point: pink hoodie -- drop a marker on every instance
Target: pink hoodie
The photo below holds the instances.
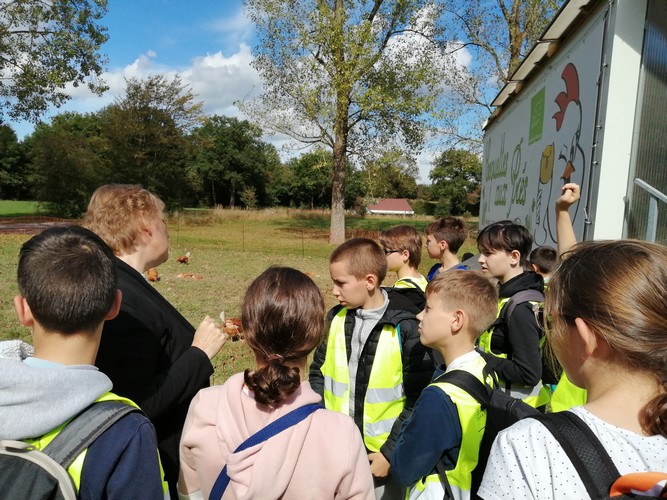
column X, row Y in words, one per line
column 322, row 456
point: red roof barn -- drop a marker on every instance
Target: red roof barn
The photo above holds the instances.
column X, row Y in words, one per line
column 391, row 206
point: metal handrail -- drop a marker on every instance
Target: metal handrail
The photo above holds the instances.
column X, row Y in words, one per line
column 654, row 197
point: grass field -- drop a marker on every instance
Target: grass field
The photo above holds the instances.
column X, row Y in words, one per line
column 12, row 208
column 228, row 249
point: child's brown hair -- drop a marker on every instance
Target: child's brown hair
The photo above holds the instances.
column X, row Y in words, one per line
column 449, row 229
column 401, row 238
column 283, row 321
column 362, row 256
column 469, row 291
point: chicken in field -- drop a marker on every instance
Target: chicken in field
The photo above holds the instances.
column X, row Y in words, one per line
column 151, row 275
column 232, row 327
column 184, row 259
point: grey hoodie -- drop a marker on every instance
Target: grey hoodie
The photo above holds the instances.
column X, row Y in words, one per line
column 36, row 399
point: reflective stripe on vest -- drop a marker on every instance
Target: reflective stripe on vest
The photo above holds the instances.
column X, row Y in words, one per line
column 385, row 396
column 473, row 422
column 75, row 469
column 535, row 396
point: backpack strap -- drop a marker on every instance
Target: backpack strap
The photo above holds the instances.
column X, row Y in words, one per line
column 84, row 429
column 583, row 448
column 410, row 282
column 520, row 298
column 469, row 383
column 275, row 427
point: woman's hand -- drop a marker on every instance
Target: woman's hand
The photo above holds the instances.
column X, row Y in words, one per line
column 209, row 337
column 570, row 194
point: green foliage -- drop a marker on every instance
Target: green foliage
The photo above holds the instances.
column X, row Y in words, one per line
column 68, row 162
column 229, row 159
column 14, row 172
column 311, row 179
column 45, row 46
column 391, row 175
column 456, row 176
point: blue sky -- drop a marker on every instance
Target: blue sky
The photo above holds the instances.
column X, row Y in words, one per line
column 207, row 42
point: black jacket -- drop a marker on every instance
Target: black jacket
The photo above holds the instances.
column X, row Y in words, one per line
column 418, row 363
column 147, row 353
column 520, row 339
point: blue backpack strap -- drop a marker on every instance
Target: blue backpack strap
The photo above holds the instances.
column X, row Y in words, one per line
column 275, row 427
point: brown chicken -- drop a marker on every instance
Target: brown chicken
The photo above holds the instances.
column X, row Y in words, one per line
column 184, row 259
column 151, row 274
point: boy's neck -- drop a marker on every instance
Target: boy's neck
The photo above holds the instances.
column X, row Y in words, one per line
column 451, row 352
column 67, row 349
column 512, row 273
column 375, row 300
column 407, row 272
column 448, row 260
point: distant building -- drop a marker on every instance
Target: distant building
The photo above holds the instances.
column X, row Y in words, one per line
column 391, row 206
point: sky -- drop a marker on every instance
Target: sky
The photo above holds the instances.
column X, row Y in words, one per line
column 207, row 42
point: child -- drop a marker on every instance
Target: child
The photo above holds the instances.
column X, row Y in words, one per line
column 513, row 347
column 320, row 457
column 67, row 282
column 444, row 237
column 403, row 247
column 543, row 261
column 607, row 303
column 372, row 366
column 446, row 424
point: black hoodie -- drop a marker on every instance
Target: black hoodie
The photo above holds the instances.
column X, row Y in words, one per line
column 520, row 339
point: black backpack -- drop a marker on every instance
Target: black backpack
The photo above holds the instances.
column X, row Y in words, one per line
column 596, row 469
column 26, row 472
column 502, row 411
column 551, row 370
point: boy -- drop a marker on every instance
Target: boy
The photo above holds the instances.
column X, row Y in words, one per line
column 403, row 247
column 543, row 261
column 372, row 366
column 512, row 347
column 67, row 282
column 447, row 424
column 444, row 237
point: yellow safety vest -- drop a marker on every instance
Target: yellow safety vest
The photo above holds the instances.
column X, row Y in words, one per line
column 411, row 281
column 536, row 396
column 75, row 469
column 473, row 422
column 567, row 395
column 385, row 397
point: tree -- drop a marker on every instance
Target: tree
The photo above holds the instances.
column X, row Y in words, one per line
column 44, row 46
column 456, row 176
column 346, row 74
column 231, row 159
column 496, row 35
column 392, row 175
column 311, row 179
column 68, row 161
column 14, row 172
column 147, row 130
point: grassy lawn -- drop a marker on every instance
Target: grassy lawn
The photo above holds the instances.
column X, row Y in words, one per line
column 12, row 208
column 228, row 249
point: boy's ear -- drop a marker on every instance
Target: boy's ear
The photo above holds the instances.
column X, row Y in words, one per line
column 534, row 268
column 405, row 255
column 23, row 311
column 515, row 257
column 371, row 282
column 443, row 245
column 115, row 308
column 458, row 321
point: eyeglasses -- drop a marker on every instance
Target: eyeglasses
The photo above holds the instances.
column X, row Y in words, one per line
column 387, row 252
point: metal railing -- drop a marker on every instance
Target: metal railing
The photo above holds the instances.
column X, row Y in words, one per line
column 654, row 197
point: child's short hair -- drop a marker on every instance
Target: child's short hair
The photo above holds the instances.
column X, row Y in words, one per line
column 67, row 275
column 544, row 258
column 283, row 321
column 506, row 236
column 470, row 291
column 449, row 229
column 401, row 238
column 363, row 256
column 118, row 213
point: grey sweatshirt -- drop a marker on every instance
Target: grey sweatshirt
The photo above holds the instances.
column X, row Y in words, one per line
column 37, row 397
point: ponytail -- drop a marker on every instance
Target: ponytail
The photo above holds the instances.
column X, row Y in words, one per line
column 653, row 417
column 273, row 383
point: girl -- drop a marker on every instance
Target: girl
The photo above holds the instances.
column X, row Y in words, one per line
column 320, row 457
column 607, row 301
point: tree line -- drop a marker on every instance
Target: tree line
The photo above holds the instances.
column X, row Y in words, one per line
column 156, row 135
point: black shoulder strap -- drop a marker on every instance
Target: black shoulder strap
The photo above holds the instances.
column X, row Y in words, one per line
column 469, row 383
column 583, row 448
column 520, row 298
column 84, row 429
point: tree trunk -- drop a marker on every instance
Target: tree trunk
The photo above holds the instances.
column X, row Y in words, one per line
column 337, row 227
